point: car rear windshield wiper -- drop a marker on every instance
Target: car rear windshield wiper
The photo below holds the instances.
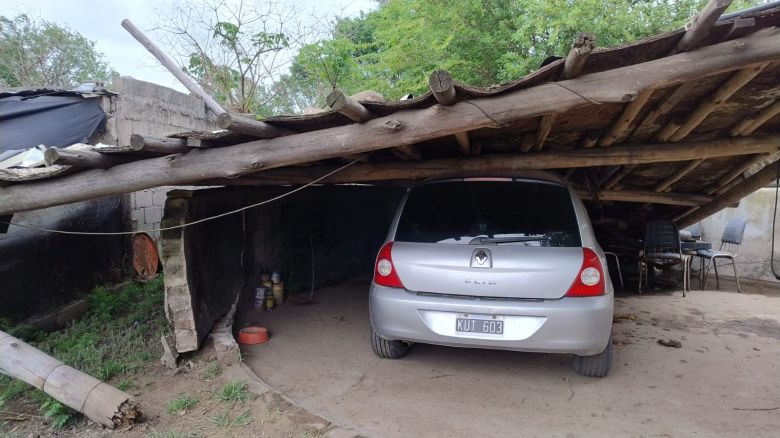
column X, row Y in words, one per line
column 483, row 240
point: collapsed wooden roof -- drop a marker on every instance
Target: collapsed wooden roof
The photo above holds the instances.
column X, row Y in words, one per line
column 679, row 125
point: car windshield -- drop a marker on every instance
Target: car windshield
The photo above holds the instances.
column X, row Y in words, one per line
column 497, row 212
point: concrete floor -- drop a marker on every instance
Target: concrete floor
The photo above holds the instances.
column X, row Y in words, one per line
column 724, row 381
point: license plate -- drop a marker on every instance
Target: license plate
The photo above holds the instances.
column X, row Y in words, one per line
column 484, row 325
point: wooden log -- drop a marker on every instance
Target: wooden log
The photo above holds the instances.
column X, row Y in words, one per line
column 462, row 138
column 81, row 158
column 442, row 87
column 642, row 196
column 735, row 173
column 250, row 126
column 663, row 108
column 732, row 196
column 666, row 184
column 158, row 145
column 408, row 152
column 102, row 403
column 401, row 128
column 699, row 26
column 749, row 125
column 620, row 127
column 617, row 177
column 171, row 66
column 506, row 164
column 340, row 102
column 580, row 50
column 667, row 131
column 716, row 99
column 527, row 142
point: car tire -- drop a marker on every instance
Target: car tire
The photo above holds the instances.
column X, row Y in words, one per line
column 595, row 366
column 385, row 348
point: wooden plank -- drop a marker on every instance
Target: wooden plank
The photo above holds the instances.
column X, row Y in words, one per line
column 340, row 102
column 732, row 196
column 442, row 87
column 666, row 184
column 620, row 127
column 401, row 128
column 726, row 90
column 171, row 66
column 462, row 138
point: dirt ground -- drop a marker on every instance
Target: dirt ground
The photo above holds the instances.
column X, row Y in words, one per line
column 723, row 381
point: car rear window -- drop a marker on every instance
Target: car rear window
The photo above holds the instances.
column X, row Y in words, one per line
column 461, row 211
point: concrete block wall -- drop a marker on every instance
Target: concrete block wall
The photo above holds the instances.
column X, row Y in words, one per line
column 150, row 109
column 753, row 260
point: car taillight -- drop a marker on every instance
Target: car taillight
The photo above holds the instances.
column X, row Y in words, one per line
column 590, row 279
column 384, row 270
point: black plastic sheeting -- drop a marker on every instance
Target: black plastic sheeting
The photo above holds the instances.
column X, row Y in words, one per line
column 40, row 270
column 61, row 119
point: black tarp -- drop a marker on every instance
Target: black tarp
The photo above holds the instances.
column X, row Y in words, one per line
column 48, row 117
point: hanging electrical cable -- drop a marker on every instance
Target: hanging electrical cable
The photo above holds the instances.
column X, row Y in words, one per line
column 774, row 222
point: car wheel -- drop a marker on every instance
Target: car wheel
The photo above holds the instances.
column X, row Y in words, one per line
column 385, row 348
column 597, row 365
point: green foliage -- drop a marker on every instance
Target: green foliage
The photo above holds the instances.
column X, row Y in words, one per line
column 226, row 420
column 38, row 52
column 181, row 403
column 212, row 371
column 234, row 391
column 118, row 335
column 126, row 385
column 480, row 42
column 58, row 414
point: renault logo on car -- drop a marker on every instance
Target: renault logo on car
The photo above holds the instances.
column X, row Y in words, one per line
column 481, row 258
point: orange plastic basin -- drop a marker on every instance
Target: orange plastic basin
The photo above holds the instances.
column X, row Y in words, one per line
column 253, row 335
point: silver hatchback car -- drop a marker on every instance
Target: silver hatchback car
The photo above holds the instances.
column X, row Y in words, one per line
column 499, row 263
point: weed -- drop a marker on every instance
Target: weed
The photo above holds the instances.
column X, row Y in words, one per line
column 235, row 390
column 212, row 371
column 225, row 420
column 56, row 412
column 125, row 385
column 182, row 402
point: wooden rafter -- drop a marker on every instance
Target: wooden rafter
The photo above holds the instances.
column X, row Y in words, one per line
column 462, row 138
column 620, row 127
column 663, row 108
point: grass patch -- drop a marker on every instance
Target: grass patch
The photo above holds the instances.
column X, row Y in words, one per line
column 226, row 420
column 182, row 403
column 235, row 390
column 126, row 385
column 212, row 371
column 117, row 336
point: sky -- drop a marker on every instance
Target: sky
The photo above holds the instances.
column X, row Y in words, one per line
column 99, row 21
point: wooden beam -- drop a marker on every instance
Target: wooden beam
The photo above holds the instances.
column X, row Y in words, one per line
column 699, row 26
column 716, row 99
column 663, row 108
column 642, row 196
column 580, row 50
column 527, row 142
column 543, row 130
column 666, row 184
column 81, row 158
column 750, row 124
column 249, row 126
column 589, row 141
column 340, row 102
column 508, row 164
column 443, row 87
column 766, row 176
column 617, row 177
column 159, row 145
column 400, row 128
column 171, row 66
column 667, row 131
column 462, row 138
column 620, row 127
column 407, row 152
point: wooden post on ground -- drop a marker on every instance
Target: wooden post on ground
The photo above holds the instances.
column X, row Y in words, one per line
column 102, row 403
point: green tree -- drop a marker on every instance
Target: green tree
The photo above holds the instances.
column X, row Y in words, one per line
column 38, row 52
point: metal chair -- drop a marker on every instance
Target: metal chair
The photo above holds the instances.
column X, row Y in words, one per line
column 662, row 247
column 617, row 262
column 729, row 244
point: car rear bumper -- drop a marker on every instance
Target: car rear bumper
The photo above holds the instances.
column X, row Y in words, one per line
column 568, row 325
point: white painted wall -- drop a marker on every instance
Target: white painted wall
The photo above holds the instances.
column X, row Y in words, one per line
column 753, row 260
